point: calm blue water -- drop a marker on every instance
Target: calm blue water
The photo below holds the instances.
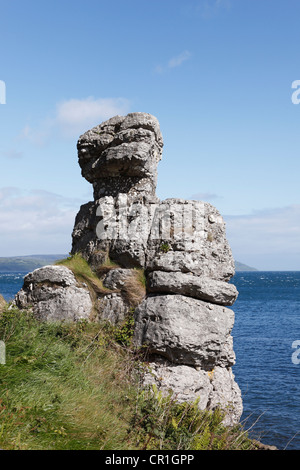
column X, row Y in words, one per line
column 267, row 322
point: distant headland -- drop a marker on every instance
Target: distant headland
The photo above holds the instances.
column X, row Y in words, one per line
column 30, row 262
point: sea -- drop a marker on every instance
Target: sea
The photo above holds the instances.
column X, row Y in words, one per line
column 266, row 338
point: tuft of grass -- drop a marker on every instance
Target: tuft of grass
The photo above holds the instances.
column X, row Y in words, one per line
column 83, row 272
column 64, row 386
column 165, row 247
column 107, row 266
column 134, row 289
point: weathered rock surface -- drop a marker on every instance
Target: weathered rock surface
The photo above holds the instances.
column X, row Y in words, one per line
column 121, row 155
column 185, row 330
column 189, row 237
column 54, row 294
column 214, row 389
column 186, row 383
column 116, row 278
column 226, row 394
column 133, row 231
column 199, row 287
column 116, row 225
column 112, row 307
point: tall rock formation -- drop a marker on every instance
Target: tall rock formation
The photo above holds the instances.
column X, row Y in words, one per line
column 180, row 248
column 184, row 319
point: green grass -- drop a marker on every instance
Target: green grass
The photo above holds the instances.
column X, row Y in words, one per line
column 64, row 386
column 134, row 289
column 83, row 272
column 161, row 423
column 73, row 386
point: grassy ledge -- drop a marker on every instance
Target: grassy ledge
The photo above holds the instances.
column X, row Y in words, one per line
column 83, row 273
column 74, row 386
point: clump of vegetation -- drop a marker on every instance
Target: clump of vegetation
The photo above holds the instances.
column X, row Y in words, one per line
column 164, row 424
column 83, row 272
column 123, row 334
column 165, row 247
column 210, row 237
column 134, row 289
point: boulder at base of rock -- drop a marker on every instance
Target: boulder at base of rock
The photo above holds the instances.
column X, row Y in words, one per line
column 54, row 294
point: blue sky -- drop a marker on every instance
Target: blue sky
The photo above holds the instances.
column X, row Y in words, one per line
column 217, row 74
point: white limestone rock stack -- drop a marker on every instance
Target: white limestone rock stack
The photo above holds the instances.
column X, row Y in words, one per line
column 184, row 320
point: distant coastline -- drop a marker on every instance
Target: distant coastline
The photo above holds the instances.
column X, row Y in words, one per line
column 27, row 263
column 243, row 267
column 30, row 262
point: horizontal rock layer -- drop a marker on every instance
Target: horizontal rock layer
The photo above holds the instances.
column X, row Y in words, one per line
column 185, row 330
column 199, row 287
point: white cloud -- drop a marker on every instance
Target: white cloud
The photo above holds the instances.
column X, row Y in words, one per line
column 35, row 221
column 267, row 239
column 37, row 135
column 175, row 61
column 210, row 8
column 73, row 117
column 179, row 59
column 78, row 115
column 11, row 154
